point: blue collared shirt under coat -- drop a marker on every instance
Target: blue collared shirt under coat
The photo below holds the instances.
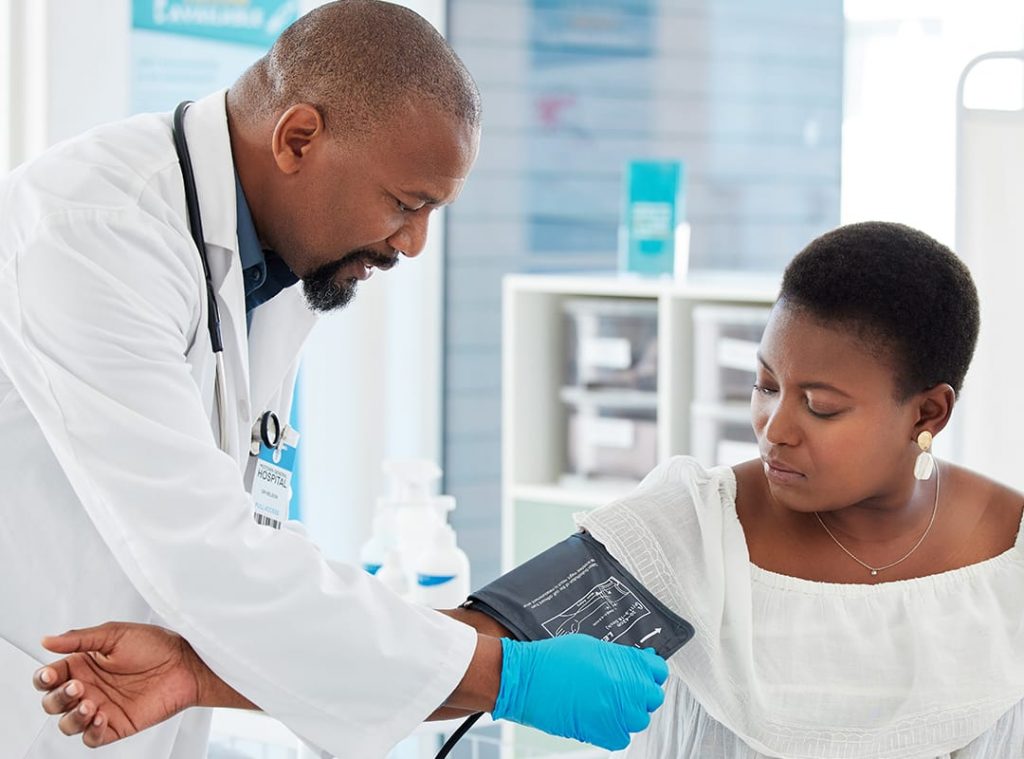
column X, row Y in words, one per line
column 264, row 274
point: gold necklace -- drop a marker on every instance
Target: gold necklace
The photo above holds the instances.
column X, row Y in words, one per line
column 875, row 570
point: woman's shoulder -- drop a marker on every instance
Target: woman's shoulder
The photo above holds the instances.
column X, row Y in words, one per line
column 976, row 482
column 685, row 470
column 991, row 511
column 670, row 500
column 674, row 531
column 684, row 482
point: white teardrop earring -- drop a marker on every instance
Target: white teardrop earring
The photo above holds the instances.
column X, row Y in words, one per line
column 925, row 464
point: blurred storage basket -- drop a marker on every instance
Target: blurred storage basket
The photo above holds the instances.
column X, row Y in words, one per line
column 610, row 388
column 722, row 435
column 611, row 434
column 725, row 343
column 611, row 342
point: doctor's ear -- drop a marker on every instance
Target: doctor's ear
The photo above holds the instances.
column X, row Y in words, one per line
column 295, row 133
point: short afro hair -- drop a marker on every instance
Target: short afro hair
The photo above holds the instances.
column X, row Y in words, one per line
column 904, row 292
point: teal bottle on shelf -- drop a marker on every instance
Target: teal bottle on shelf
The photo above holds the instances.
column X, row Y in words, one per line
column 653, row 237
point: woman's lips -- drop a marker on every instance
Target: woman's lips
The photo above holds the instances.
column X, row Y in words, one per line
column 780, row 473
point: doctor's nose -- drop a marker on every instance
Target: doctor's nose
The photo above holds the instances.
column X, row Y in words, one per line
column 412, row 236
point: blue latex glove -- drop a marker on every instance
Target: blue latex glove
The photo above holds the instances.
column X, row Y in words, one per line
column 580, row 687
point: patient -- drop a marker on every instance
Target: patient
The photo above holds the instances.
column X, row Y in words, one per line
column 852, row 597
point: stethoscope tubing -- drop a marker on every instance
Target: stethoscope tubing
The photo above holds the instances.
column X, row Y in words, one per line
column 195, row 224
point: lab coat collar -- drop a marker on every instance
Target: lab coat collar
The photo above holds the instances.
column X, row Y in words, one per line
column 280, row 326
column 206, row 129
column 209, row 145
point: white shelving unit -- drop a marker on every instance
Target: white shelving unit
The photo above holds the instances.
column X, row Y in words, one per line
column 538, row 500
column 725, row 341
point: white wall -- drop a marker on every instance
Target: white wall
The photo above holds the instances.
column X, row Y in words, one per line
column 5, row 85
column 903, row 61
column 68, row 70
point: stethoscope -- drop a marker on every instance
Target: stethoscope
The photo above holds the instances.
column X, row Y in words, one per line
column 269, row 432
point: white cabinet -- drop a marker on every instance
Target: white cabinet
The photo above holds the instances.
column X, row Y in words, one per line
column 603, row 377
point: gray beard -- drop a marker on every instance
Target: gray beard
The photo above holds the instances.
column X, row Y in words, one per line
column 323, row 294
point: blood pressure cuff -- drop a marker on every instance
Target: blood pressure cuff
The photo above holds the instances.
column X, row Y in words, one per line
column 578, row 587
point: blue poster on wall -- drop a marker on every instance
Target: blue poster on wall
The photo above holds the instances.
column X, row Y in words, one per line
column 250, row 22
column 590, row 76
column 184, row 49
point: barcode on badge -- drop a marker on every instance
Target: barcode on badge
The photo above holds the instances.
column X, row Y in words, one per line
column 265, row 520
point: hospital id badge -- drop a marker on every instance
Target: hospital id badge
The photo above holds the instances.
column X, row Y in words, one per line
column 272, row 480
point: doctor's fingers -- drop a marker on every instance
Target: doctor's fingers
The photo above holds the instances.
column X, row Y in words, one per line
column 87, row 721
column 655, row 697
column 52, row 676
column 96, row 734
column 101, row 638
column 93, row 725
column 64, row 698
column 78, row 719
column 46, row 679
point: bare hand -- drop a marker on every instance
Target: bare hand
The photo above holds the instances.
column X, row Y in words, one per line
column 120, row 678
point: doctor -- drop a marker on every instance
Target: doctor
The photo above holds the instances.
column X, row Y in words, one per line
column 128, row 431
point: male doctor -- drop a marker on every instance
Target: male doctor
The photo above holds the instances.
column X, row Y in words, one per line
column 126, row 446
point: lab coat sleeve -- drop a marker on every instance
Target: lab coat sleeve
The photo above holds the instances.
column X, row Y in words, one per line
column 96, row 310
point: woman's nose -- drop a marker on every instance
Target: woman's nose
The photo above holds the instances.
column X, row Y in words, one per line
column 780, row 427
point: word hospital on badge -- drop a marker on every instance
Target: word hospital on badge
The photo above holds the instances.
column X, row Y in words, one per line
column 271, row 480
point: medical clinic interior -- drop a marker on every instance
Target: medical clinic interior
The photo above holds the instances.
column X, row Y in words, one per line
column 591, row 306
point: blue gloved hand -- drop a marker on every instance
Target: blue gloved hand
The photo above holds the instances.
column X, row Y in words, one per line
column 580, row 687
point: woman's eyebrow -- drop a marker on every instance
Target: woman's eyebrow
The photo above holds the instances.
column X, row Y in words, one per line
column 807, row 385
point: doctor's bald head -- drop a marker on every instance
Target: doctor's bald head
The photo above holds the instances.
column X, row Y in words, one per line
column 356, row 126
column 356, row 60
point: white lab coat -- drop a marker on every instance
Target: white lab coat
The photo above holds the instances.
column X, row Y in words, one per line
column 117, row 503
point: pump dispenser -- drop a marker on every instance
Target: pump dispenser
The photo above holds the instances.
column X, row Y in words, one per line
column 442, row 571
column 412, row 538
column 394, row 575
column 382, row 540
column 411, row 479
column 416, row 510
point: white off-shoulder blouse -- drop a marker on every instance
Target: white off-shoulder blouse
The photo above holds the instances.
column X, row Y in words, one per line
column 783, row 667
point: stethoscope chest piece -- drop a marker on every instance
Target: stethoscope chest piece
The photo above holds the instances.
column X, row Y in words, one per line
column 266, row 430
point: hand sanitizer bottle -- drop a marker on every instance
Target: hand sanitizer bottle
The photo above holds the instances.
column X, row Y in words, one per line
column 442, row 571
column 394, row 575
column 382, row 539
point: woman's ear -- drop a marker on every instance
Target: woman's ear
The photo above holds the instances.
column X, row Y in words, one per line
column 934, row 407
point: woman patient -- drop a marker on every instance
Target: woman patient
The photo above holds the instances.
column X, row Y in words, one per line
column 852, row 596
